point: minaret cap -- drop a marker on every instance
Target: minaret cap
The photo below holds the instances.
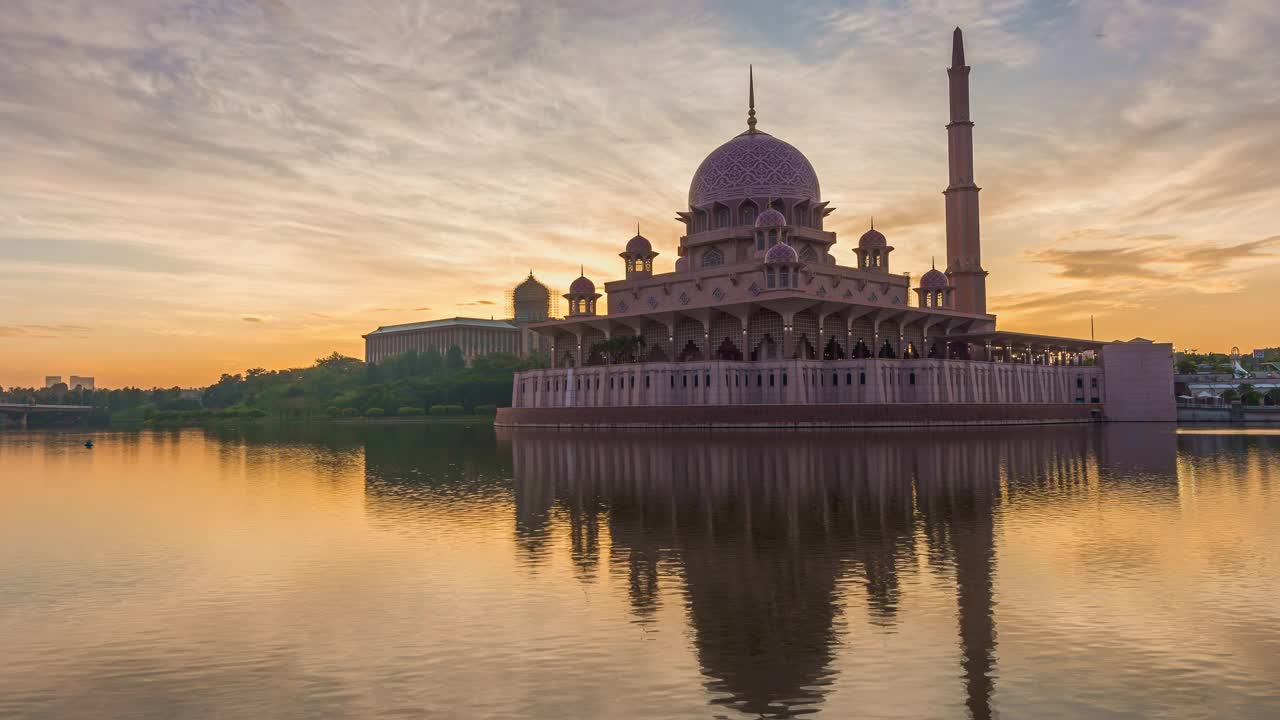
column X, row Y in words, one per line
column 751, row 100
column 957, row 49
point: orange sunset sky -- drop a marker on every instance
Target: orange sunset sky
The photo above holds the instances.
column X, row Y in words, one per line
column 192, row 188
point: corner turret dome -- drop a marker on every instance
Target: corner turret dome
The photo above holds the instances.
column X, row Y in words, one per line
column 872, row 238
column 639, row 245
column 582, row 286
column 935, row 278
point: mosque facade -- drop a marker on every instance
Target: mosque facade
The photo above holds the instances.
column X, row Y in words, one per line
column 761, row 323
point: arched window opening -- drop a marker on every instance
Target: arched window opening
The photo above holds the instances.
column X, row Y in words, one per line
column 771, row 279
column 773, row 238
column 808, row 254
column 712, row 257
column 747, row 214
column 722, row 217
column 784, row 279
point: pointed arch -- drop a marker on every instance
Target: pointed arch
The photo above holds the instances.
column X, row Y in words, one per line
column 764, row 335
column 712, row 258
column 747, row 212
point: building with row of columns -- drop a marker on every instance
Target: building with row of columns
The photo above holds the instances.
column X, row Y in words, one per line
column 759, row 310
column 530, row 302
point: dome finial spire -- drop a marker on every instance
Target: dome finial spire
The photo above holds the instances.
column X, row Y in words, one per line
column 873, row 222
column 933, row 262
column 751, row 99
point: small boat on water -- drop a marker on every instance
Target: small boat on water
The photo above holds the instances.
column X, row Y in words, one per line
column 88, row 444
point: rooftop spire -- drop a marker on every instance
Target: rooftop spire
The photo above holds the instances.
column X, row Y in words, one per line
column 873, row 222
column 637, row 227
column 751, row 100
column 957, row 49
column 933, row 262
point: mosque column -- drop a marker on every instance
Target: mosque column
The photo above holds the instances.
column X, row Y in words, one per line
column 787, row 320
column 577, row 357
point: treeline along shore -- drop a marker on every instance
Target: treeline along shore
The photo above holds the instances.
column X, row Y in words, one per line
column 411, row 384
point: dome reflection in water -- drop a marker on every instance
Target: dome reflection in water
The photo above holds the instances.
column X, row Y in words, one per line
column 447, row 571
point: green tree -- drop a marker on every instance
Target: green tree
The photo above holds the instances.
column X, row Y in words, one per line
column 454, row 360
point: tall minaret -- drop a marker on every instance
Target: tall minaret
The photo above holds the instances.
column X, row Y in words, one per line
column 964, row 248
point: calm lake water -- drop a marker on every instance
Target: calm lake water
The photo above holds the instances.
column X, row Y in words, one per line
column 444, row 571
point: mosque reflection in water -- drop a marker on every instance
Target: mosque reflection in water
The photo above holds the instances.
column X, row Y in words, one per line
column 765, row 529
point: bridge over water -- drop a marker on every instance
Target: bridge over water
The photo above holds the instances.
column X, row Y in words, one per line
column 22, row 410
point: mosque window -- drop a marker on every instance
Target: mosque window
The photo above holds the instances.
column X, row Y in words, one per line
column 800, row 215
column 708, row 382
column 771, row 279
column 848, row 378
column 748, row 214
column 712, row 257
column 808, row 254
column 722, row 217
column 773, row 238
column 784, row 379
column 639, row 267
column 784, row 277
column 770, row 379
column 862, row 378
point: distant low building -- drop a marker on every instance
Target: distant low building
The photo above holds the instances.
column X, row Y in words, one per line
column 51, row 380
column 530, row 302
column 83, row 382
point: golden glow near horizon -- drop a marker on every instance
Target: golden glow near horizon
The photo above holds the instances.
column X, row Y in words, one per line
column 258, row 184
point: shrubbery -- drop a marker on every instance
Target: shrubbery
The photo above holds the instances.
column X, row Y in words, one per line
column 485, row 410
column 447, row 410
column 375, row 412
column 408, row 411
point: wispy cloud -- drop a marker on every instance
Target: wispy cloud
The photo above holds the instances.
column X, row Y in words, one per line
column 176, row 167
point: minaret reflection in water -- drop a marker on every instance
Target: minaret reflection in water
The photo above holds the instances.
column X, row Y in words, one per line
column 767, row 528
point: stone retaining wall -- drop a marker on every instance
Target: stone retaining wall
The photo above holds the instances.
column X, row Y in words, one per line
column 862, row 415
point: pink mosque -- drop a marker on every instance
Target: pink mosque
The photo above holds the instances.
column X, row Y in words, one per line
column 760, row 324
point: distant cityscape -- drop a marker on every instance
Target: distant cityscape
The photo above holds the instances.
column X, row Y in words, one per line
column 74, row 382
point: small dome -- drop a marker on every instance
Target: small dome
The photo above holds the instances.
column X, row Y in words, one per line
column 582, row 286
column 771, row 218
column 872, row 238
column 935, row 278
column 639, row 245
column 781, row 253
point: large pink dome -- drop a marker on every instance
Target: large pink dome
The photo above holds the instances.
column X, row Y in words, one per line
column 754, row 164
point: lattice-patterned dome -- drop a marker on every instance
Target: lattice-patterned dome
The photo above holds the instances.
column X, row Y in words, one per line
column 935, row 278
column 872, row 238
column 582, row 286
column 781, row 253
column 771, row 218
column 531, row 291
column 754, row 164
column 639, row 245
